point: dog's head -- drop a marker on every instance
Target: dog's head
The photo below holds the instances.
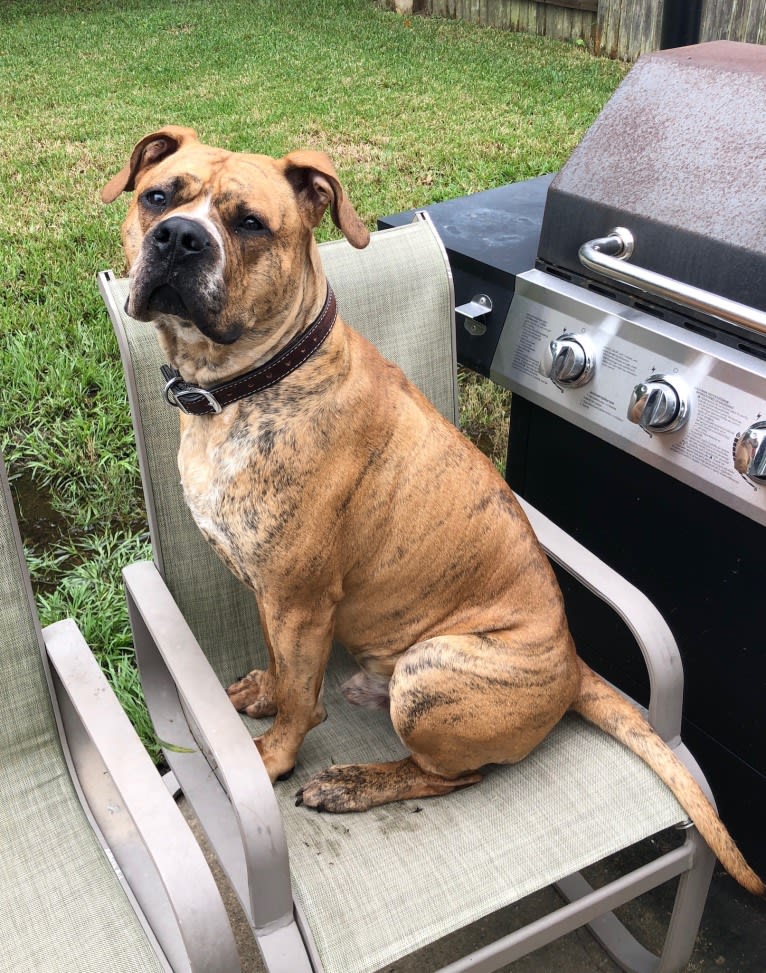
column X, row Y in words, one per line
column 223, row 241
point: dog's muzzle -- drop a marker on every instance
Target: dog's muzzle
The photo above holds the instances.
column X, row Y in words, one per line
column 177, row 250
column 179, row 275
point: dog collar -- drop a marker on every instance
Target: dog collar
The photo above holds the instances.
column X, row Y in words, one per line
column 197, row 401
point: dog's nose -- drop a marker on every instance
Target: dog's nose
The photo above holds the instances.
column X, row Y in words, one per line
column 180, row 234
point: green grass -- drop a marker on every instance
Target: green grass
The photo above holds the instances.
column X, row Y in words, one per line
column 412, row 111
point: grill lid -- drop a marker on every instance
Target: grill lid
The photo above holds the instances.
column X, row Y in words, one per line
column 678, row 157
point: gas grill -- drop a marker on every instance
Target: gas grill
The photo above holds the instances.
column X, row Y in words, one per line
column 635, row 347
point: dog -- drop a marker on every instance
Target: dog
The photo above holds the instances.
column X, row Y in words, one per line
column 333, row 489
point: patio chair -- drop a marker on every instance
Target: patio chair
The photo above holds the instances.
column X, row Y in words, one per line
column 355, row 893
column 98, row 869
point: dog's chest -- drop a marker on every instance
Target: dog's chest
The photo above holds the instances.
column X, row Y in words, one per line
column 207, row 478
column 239, row 494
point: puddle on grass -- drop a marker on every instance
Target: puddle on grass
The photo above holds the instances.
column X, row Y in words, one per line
column 40, row 525
column 45, row 531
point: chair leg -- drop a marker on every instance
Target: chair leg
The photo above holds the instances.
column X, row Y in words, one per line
column 586, row 907
column 172, row 786
column 689, row 903
column 612, row 935
column 688, row 907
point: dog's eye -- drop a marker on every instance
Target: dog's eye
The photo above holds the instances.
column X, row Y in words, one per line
column 251, row 224
column 155, row 198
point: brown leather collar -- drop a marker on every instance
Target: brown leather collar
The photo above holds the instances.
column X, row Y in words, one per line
column 197, row 401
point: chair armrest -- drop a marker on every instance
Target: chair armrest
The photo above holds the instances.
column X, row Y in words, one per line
column 651, row 632
column 210, row 751
column 157, row 859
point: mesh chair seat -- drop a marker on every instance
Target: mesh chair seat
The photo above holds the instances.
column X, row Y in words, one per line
column 430, row 867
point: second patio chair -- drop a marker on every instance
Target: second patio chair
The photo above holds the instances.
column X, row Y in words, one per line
column 98, row 869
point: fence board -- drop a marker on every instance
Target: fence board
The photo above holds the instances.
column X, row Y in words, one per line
column 735, row 20
column 588, row 5
column 608, row 27
column 627, row 28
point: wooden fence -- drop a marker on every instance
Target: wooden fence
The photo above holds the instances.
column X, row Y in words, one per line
column 616, row 28
column 626, row 29
column 736, row 20
column 563, row 21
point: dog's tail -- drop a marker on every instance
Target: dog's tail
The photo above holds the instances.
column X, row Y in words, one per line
column 602, row 705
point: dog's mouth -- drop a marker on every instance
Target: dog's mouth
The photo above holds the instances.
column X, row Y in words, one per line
column 177, row 281
column 150, row 299
column 147, row 303
column 165, row 299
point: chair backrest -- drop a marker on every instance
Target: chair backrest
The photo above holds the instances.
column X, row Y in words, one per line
column 398, row 293
column 27, row 714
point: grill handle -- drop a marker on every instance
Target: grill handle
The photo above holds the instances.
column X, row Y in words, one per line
column 608, row 256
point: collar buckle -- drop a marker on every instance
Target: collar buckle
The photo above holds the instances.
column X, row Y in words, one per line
column 176, row 389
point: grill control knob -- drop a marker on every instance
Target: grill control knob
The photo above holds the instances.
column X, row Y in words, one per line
column 569, row 360
column 750, row 452
column 660, row 404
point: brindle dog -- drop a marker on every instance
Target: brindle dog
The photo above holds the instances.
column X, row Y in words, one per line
column 337, row 495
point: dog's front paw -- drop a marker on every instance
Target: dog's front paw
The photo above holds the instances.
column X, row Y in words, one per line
column 279, row 766
column 337, row 789
column 254, row 694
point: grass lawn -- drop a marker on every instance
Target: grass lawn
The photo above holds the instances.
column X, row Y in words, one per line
column 411, row 110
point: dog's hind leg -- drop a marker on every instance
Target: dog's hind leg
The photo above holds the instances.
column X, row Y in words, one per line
column 458, row 703
column 253, row 694
column 358, row 787
column 461, row 702
column 367, row 689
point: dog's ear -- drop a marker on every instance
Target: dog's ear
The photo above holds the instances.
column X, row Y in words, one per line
column 317, row 186
column 149, row 151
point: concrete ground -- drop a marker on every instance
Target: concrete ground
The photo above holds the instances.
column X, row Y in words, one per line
column 732, row 937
